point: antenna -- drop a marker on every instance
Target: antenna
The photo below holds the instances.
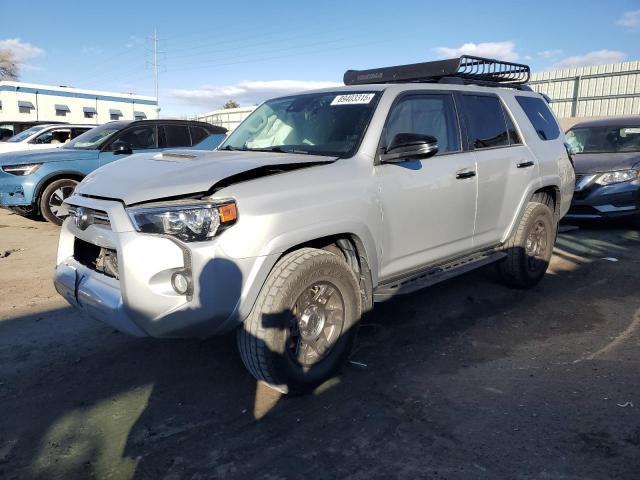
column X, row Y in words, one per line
column 155, row 66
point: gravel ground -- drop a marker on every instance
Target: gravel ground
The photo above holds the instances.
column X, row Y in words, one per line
column 467, row 379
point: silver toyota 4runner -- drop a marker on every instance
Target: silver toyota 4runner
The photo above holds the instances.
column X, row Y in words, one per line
column 319, row 205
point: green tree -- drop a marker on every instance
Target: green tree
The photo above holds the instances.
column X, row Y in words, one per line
column 231, row 104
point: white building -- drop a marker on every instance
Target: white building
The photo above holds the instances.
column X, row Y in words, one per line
column 30, row 102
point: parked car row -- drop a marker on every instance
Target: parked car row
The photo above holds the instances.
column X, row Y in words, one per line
column 10, row 129
column 40, row 137
column 36, row 177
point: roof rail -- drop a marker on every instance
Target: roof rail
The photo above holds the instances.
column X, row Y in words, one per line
column 470, row 69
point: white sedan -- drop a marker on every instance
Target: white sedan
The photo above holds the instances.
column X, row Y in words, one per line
column 43, row 136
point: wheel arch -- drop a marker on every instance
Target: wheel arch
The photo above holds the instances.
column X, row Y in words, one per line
column 351, row 247
column 46, row 181
column 550, row 189
column 554, row 192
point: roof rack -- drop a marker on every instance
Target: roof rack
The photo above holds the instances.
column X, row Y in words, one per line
column 466, row 69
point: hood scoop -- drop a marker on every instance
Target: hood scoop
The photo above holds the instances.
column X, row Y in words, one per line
column 174, row 156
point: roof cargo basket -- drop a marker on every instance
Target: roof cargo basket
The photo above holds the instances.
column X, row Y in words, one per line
column 467, row 69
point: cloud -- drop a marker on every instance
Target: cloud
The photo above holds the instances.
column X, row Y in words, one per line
column 550, row 54
column 246, row 93
column 22, row 51
column 597, row 57
column 498, row 50
column 629, row 19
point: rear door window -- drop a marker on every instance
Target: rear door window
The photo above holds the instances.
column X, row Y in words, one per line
column 176, row 136
column 514, row 136
column 486, row 121
column 540, row 117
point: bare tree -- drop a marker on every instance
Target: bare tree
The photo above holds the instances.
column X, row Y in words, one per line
column 231, row 104
column 9, row 69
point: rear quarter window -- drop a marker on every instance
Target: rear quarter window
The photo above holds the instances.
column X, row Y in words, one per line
column 540, row 117
column 198, row 134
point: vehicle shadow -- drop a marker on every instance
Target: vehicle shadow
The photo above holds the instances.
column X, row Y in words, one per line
column 98, row 404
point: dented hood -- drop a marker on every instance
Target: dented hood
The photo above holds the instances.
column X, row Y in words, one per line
column 143, row 177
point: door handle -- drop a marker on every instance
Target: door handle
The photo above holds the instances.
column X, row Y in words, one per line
column 525, row 164
column 462, row 174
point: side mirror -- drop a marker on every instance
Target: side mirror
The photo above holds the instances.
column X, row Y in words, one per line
column 409, row 146
column 121, row 148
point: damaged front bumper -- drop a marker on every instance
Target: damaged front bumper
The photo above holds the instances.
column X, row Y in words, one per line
column 593, row 201
column 13, row 193
column 139, row 299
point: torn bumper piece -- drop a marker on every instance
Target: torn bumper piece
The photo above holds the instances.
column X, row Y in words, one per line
column 12, row 195
column 96, row 295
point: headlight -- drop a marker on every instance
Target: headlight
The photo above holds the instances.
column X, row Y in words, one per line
column 617, row 177
column 21, row 170
column 190, row 222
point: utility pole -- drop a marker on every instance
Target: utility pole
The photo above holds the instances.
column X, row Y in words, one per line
column 155, row 66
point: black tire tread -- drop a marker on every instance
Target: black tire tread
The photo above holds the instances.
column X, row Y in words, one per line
column 43, row 203
column 254, row 351
column 510, row 267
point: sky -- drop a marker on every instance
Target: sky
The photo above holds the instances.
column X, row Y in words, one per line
column 249, row 51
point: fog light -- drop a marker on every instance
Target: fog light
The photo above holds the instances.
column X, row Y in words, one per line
column 180, row 283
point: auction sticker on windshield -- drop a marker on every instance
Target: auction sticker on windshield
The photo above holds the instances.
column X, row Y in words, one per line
column 353, row 99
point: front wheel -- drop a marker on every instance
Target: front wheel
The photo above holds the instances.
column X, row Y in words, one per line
column 303, row 324
column 530, row 248
column 52, row 197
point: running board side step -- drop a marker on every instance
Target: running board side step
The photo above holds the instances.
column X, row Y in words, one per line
column 434, row 274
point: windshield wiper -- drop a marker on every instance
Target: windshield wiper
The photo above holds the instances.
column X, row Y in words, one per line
column 233, row 149
column 277, row 149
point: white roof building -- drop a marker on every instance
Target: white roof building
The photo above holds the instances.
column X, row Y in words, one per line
column 31, row 102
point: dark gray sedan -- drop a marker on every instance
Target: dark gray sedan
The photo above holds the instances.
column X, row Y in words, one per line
column 606, row 153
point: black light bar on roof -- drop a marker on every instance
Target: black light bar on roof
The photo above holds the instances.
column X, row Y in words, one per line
column 466, row 67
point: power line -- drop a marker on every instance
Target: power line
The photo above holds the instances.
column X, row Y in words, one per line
column 304, row 52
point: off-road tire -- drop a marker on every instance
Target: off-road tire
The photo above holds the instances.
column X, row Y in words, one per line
column 52, row 192
column 264, row 338
column 521, row 269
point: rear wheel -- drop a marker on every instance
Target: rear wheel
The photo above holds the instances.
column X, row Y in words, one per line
column 303, row 324
column 52, row 197
column 530, row 248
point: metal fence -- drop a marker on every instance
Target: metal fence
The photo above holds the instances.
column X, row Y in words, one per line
column 602, row 90
column 228, row 118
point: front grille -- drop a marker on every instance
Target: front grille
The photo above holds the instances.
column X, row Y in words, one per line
column 83, row 217
column 101, row 260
